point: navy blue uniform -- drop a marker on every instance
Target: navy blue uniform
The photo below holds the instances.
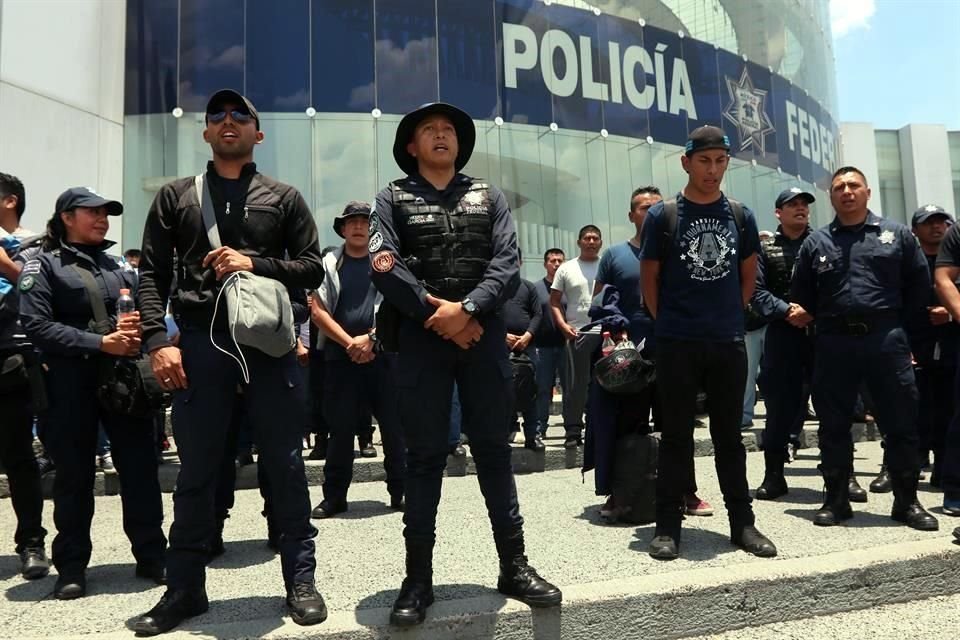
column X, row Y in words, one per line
column 948, row 458
column 56, row 314
column 861, row 284
column 787, row 363
column 428, row 365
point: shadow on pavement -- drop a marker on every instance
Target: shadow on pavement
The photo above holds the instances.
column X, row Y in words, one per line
column 103, row 579
column 244, row 553
column 860, row 519
column 260, row 616
column 695, row 544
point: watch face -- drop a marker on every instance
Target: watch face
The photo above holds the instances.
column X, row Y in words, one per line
column 470, row 307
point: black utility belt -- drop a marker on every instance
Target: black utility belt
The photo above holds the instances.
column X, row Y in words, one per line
column 453, row 289
column 857, row 325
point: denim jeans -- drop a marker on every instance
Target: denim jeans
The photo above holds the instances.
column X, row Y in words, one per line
column 551, row 363
column 754, row 342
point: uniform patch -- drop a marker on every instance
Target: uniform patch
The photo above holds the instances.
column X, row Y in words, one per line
column 886, row 237
column 27, row 282
column 382, row 262
column 376, row 241
column 374, row 223
column 32, row 266
column 421, row 219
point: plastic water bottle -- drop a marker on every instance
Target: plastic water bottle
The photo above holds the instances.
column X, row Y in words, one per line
column 125, row 303
column 608, row 344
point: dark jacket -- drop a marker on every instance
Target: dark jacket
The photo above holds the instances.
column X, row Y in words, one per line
column 273, row 223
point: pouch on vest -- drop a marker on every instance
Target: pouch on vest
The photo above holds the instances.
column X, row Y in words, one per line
column 259, row 313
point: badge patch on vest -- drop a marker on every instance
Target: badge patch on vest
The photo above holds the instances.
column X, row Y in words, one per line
column 474, row 202
column 382, row 262
column 886, row 237
column 376, row 241
column 27, row 282
column 421, row 218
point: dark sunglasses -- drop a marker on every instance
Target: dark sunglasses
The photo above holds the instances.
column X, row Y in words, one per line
column 237, row 116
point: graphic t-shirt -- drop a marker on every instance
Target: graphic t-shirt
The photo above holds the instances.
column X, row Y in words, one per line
column 575, row 280
column 700, row 273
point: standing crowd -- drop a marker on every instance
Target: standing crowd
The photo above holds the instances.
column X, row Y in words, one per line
column 420, row 320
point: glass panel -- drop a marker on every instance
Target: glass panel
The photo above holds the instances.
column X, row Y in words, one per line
column 406, row 54
column 467, row 56
column 151, row 56
column 278, row 55
column 524, row 96
column 211, row 50
column 343, row 59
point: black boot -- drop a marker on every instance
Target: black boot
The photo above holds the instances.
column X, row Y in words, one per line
column 881, row 484
column 174, row 607
column 517, row 578
column 752, row 541
column 774, row 484
column 305, row 604
column 857, row 493
column 34, row 563
column 906, row 507
column 836, row 505
column 416, row 592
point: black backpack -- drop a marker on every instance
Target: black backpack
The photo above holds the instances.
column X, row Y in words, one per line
column 671, row 214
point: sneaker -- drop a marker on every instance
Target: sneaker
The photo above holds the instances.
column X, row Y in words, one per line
column 608, row 511
column 951, row 505
column 106, row 462
column 457, row 450
column 695, row 506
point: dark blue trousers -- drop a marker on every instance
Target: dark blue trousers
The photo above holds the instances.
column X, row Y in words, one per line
column 273, row 402
column 72, row 426
column 882, row 360
column 786, row 366
column 227, row 482
column 353, row 392
column 427, row 367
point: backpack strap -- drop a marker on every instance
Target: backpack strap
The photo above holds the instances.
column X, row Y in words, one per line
column 670, row 216
column 736, row 208
column 206, row 209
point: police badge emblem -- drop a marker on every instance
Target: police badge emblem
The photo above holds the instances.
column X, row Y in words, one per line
column 886, row 237
column 474, row 198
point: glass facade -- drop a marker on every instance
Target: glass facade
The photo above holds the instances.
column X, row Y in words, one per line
column 890, row 173
column 576, row 104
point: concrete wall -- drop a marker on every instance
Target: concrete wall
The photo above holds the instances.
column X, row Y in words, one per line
column 61, row 99
column 925, row 158
column 858, row 147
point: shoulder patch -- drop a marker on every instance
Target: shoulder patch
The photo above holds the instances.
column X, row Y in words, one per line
column 32, row 266
column 376, row 241
column 27, row 282
column 374, row 223
column 382, row 262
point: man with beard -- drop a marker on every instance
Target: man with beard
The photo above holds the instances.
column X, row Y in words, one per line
column 267, row 229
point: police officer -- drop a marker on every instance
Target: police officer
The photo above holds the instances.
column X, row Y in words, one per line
column 860, row 277
column 56, row 313
column 266, row 228
column 18, row 367
column 360, row 377
column 443, row 249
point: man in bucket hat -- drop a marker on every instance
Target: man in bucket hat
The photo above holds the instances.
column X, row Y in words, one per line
column 443, row 251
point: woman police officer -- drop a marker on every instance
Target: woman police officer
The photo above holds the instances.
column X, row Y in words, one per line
column 56, row 312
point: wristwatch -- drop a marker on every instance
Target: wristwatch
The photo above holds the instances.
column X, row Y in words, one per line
column 470, row 307
column 372, row 334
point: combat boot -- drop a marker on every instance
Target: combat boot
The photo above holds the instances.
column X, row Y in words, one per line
column 857, row 493
column 774, row 485
column 517, row 578
column 416, row 592
column 906, row 507
column 836, row 505
column 881, row 484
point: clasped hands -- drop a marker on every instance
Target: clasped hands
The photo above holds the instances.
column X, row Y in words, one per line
column 451, row 322
column 798, row 316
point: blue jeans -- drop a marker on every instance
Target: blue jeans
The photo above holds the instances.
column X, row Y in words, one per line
column 753, row 340
column 551, row 363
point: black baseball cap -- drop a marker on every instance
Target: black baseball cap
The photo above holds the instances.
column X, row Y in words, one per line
column 86, row 197
column 462, row 124
column 353, row 208
column 706, row 137
column 217, row 100
column 793, row 192
column 928, row 211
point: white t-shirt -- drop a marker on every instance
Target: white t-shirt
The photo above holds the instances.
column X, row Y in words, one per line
column 576, row 278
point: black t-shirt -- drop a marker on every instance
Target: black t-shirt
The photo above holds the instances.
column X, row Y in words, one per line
column 355, row 306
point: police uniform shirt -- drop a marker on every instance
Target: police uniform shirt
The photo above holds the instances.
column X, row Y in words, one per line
column 775, row 262
column 55, row 306
column 392, row 275
column 700, row 297
column 860, row 270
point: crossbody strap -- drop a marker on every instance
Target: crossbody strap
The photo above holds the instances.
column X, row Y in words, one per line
column 206, row 209
column 96, row 298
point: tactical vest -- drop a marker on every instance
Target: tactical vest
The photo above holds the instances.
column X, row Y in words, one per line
column 446, row 245
column 779, row 268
